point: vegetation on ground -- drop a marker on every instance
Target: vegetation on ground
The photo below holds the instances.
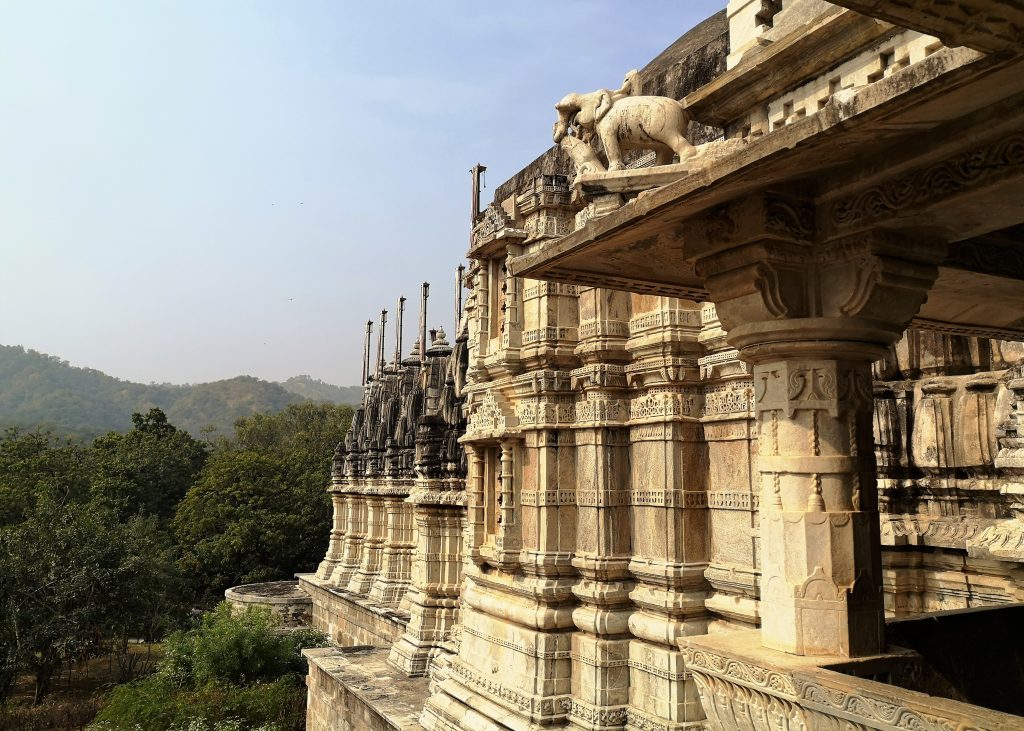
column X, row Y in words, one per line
column 235, row 670
column 115, row 543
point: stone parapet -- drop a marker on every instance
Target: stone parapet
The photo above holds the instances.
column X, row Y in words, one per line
column 286, row 599
column 349, row 619
column 747, row 687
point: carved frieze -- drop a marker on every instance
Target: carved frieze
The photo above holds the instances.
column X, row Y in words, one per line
column 731, row 500
column 728, row 399
column 968, row 170
column 665, row 405
column 992, row 27
column 811, row 385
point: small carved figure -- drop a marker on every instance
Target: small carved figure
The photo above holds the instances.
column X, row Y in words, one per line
column 583, row 155
column 623, row 121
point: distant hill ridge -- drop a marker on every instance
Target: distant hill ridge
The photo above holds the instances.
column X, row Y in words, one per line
column 39, row 390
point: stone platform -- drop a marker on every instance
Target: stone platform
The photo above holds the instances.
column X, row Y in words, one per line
column 351, row 619
column 355, row 688
column 283, row 598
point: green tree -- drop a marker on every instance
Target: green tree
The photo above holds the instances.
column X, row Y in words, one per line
column 147, row 469
column 74, row 580
column 259, row 509
column 36, row 463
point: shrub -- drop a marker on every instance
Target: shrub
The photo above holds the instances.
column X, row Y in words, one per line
column 236, row 648
column 152, row 704
column 233, row 671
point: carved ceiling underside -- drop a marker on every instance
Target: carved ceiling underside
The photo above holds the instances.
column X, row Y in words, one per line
column 991, row 26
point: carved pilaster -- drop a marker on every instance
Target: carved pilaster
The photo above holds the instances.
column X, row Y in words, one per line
column 668, row 511
column 336, row 546
column 373, row 545
column 600, row 650
column 389, row 586
column 355, row 533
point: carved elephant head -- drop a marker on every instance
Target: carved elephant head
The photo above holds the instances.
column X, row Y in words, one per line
column 582, row 111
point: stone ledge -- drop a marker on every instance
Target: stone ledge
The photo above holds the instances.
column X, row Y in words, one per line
column 351, row 619
column 744, row 685
column 355, row 689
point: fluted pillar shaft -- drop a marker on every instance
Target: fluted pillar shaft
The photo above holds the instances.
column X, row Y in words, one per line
column 336, row 546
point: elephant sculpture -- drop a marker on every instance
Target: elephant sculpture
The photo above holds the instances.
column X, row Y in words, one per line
column 625, row 120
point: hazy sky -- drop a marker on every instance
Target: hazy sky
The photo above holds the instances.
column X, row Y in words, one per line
column 194, row 190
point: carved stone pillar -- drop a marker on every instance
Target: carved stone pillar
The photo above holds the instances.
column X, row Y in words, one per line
column 600, row 650
column 474, row 536
column 355, row 532
column 810, row 318
column 732, row 483
column 389, row 587
column 434, row 592
column 336, row 546
column 668, row 512
column 373, row 544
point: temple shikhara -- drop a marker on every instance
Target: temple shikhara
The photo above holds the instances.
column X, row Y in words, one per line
column 730, row 433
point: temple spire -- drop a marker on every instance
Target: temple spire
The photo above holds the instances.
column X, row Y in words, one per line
column 478, row 173
column 460, row 272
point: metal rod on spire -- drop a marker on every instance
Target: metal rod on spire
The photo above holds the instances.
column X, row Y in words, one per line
column 380, row 343
column 424, row 293
column 398, row 332
column 458, row 298
column 366, row 351
column 477, row 172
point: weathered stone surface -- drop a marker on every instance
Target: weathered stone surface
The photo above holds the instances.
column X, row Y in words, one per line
column 354, row 689
column 350, row 619
column 284, row 598
column 671, row 510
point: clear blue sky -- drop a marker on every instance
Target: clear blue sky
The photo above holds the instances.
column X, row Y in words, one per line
column 198, row 189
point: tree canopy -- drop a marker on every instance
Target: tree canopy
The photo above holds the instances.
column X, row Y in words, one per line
column 147, row 469
column 259, row 510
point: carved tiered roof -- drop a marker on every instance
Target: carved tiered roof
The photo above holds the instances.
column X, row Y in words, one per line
column 408, row 414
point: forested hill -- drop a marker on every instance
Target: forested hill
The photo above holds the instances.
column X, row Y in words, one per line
column 38, row 390
column 316, row 390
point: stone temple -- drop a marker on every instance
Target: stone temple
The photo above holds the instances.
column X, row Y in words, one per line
column 731, row 431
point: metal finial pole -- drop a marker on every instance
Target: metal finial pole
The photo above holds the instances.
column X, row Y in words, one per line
column 380, row 343
column 366, row 351
column 398, row 332
column 477, row 172
column 458, row 298
column 424, row 293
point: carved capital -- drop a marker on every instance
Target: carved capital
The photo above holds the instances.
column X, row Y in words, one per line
column 777, row 288
column 765, row 216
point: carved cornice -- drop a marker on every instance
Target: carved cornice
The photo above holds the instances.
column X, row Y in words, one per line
column 967, row 330
column 969, row 170
column 992, row 27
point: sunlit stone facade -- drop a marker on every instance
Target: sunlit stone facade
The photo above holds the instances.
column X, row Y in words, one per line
column 708, row 424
